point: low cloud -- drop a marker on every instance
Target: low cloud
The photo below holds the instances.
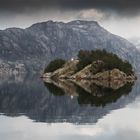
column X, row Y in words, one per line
column 91, row 14
column 126, row 7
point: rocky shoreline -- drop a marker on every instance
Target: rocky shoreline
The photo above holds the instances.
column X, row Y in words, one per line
column 90, row 72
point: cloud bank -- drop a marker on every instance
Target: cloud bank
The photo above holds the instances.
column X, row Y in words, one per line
column 129, row 7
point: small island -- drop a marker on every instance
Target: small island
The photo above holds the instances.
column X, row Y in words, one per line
column 98, row 65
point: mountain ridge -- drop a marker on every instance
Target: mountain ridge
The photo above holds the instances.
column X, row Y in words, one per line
column 35, row 46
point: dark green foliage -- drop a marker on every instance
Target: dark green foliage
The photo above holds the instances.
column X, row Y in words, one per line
column 54, row 65
column 54, row 89
column 108, row 95
column 85, row 57
column 111, row 60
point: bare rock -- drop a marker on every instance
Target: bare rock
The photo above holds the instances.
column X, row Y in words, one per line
column 68, row 69
column 114, row 74
column 89, row 71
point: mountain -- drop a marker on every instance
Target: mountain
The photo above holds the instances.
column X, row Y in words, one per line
column 31, row 49
column 135, row 41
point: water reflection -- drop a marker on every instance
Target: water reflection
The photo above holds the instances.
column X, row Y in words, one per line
column 88, row 92
column 61, row 102
column 121, row 124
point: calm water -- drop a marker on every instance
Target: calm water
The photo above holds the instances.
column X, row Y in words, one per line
column 33, row 110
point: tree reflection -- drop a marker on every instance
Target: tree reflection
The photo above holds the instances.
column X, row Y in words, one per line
column 89, row 92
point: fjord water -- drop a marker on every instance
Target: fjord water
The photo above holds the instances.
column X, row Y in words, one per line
column 31, row 110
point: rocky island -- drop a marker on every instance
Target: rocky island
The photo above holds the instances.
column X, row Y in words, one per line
column 96, row 65
column 94, row 78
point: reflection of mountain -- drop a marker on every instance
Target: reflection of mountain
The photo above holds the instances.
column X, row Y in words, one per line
column 32, row 98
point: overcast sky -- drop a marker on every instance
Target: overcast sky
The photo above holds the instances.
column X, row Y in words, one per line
column 120, row 17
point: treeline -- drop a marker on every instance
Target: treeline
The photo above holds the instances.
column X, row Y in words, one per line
column 86, row 57
column 111, row 60
column 54, row 65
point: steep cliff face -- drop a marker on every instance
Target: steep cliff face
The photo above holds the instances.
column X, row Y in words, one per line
column 37, row 45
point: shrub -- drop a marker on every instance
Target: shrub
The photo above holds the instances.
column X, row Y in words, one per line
column 54, row 65
column 111, row 60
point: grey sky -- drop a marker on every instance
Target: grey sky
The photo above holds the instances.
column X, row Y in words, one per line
column 120, row 17
column 128, row 6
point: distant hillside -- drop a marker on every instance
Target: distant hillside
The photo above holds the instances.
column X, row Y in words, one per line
column 34, row 47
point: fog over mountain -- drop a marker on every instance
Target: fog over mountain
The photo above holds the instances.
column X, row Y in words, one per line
column 31, row 49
